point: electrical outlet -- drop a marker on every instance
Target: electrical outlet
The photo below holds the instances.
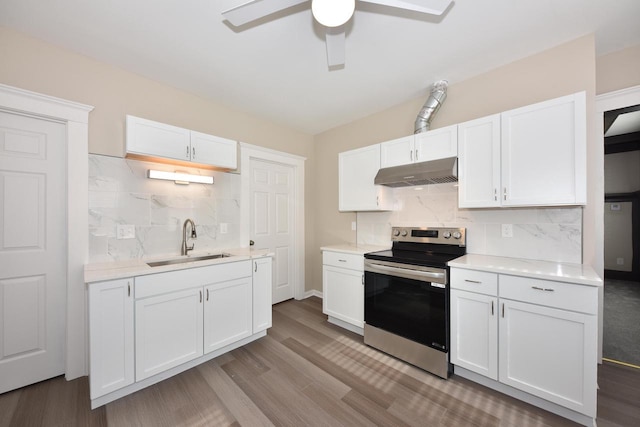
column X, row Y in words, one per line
column 224, row 228
column 354, row 226
column 620, row 261
column 125, row 231
column 507, row 230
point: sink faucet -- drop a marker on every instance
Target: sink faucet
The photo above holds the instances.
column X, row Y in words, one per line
column 185, row 249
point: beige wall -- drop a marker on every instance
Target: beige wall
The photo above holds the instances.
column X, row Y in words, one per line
column 559, row 71
column 31, row 64
column 618, row 70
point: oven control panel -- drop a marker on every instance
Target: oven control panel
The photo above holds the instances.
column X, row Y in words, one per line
column 439, row 235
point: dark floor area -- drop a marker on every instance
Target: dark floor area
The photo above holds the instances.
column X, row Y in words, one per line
column 621, row 339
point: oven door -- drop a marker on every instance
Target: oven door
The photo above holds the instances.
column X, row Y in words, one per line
column 407, row 300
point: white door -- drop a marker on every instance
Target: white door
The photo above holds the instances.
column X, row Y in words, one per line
column 32, row 250
column 272, row 221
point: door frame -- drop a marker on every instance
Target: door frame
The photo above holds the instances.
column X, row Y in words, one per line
column 605, row 102
column 249, row 152
column 75, row 116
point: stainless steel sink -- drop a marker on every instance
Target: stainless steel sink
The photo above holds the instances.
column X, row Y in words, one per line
column 187, row 259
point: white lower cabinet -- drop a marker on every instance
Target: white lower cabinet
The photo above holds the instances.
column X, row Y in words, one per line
column 262, row 300
column 179, row 316
column 537, row 336
column 343, row 289
column 168, row 331
column 549, row 353
column 227, row 313
column 111, row 336
column 474, row 332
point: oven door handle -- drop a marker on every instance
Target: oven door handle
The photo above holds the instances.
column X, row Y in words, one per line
column 425, row 276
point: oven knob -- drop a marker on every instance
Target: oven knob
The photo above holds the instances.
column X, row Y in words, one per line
column 396, row 232
column 457, row 235
column 446, row 234
column 404, row 233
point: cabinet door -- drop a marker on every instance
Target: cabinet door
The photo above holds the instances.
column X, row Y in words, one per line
column 544, row 153
column 549, row 353
column 262, row 279
column 397, row 152
column 356, row 172
column 149, row 138
column 110, row 336
column 227, row 313
column 479, row 163
column 436, row 144
column 168, row 331
column 214, row 150
column 474, row 332
column 343, row 294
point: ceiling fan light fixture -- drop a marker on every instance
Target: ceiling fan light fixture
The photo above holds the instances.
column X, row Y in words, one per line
column 332, row 13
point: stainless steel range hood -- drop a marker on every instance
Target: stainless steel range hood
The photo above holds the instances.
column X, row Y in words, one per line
column 423, row 173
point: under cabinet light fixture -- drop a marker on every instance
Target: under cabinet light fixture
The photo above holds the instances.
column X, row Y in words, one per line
column 180, row 177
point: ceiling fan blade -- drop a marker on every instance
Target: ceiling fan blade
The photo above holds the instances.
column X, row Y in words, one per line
column 335, row 40
column 432, row 7
column 257, row 9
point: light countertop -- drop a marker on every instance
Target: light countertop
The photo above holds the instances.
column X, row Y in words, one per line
column 546, row 270
column 352, row 248
column 98, row 272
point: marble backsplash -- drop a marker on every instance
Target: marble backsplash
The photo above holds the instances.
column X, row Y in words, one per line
column 547, row 234
column 120, row 193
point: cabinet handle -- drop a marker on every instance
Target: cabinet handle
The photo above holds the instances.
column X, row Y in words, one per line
column 363, row 279
column 255, row 266
column 492, row 308
column 502, row 310
column 200, row 296
column 417, row 155
column 411, row 155
column 495, row 194
column 188, row 155
column 504, row 194
column 128, row 289
column 472, row 281
column 537, row 288
column 193, row 153
column 342, row 260
column 207, row 294
column 377, row 200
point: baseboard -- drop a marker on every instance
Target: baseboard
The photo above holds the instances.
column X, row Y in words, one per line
column 312, row 293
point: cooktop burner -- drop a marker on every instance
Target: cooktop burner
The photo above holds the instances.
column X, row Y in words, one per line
column 425, row 246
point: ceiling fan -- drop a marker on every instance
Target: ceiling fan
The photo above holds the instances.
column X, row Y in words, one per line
column 332, row 14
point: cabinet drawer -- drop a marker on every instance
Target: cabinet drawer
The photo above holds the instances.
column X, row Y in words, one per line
column 341, row 259
column 171, row 281
column 566, row 296
column 474, row 281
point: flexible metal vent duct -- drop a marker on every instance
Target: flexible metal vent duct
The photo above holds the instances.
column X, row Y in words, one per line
column 431, row 106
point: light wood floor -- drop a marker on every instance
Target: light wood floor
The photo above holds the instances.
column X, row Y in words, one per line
column 306, row 372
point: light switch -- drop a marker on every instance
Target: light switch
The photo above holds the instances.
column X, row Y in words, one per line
column 354, row 226
column 507, row 230
column 224, row 228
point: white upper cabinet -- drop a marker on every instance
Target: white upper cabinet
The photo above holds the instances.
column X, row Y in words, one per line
column 479, row 162
column 214, row 150
column 544, row 153
column 356, row 172
column 157, row 141
column 530, row 156
column 434, row 144
column 396, row 152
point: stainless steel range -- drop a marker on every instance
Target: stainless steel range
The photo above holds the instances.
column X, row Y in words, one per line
column 406, row 308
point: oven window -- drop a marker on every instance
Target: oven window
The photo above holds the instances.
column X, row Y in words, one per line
column 410, row 308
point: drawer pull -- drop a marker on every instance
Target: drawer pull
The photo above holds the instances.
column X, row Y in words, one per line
column 537, row 288
column 472, row 281
column 342, row 260
column 492, row 308
column 503, row 310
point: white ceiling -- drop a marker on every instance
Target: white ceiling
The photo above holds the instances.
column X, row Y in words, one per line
column 277, row 69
